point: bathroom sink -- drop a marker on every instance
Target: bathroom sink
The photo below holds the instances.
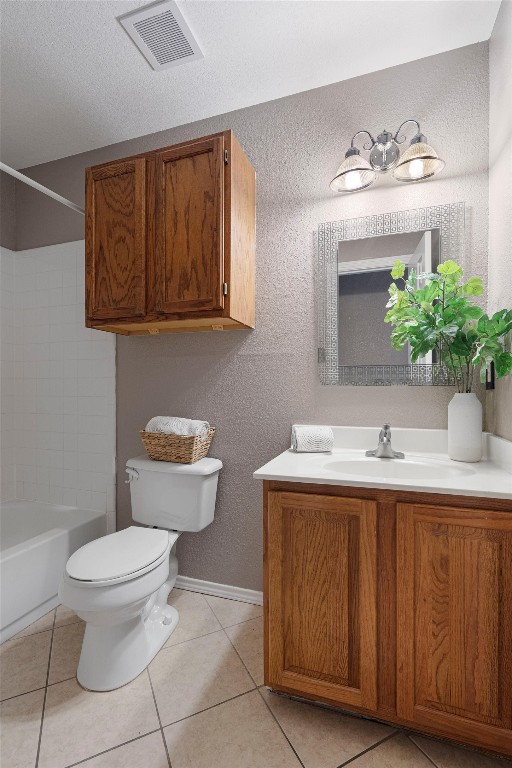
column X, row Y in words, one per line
column 400, row 469
column 426, row 467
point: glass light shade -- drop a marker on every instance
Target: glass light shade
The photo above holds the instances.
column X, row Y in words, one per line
column 419, row 161
column 355, row 173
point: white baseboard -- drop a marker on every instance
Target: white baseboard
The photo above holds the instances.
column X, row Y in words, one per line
column 220, row 590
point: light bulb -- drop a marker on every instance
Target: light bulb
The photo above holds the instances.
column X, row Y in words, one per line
column 416, row 168
column 353, row 180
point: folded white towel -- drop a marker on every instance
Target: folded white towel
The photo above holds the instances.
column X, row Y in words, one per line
column 308, row 438
column 174, row 425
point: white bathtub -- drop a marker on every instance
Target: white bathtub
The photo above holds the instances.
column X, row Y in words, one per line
column 36, row 541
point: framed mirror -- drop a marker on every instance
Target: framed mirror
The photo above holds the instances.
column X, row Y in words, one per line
column 355, row 257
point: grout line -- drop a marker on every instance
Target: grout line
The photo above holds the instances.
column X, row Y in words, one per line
column 370, row 749
column 502, row 759
column 181, row 642
column 422, row 750
column 112, row 749
column 280, row 726
column 68, row 624
column 19, row 636
column 211, row 609
column 237, row 623
column 159, row 718
column 243, row 662
column 206, row 709
column 165, row 747
column 45, row 694
column 25, row 637
column 32, row 634
column 264, row 702
column 232, row 600
column 65, row 680
column 25, row 693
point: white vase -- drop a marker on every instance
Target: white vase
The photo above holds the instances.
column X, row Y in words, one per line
column 465, row 427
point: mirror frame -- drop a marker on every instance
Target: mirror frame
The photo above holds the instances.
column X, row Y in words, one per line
column 450, row 220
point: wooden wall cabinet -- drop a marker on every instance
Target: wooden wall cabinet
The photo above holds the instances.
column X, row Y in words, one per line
column 392, row 604
column 170, row 240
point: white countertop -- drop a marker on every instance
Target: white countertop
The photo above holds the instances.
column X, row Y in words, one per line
column 425, row 454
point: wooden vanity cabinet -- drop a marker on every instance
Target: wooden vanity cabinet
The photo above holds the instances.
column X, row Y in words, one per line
column 454, row 629
column 170, row 240
column 322, row 598
column 392, row 604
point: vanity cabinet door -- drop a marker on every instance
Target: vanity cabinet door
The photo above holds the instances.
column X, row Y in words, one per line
column 189, row 227
column 454, row 636
column 321, row 571
column 115, row 240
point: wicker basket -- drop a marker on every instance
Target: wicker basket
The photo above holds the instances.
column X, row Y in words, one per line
column 177, row 448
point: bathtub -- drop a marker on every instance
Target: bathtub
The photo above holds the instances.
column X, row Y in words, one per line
column 36, row 540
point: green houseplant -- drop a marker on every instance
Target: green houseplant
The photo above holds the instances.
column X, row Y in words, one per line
column 435, row 312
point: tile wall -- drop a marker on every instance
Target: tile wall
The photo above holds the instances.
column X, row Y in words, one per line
column 7, row 383
column 64, row 384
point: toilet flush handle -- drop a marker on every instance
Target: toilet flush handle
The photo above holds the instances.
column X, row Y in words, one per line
column 132, row 475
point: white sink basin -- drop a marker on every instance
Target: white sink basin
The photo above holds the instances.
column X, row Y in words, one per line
column 425, row 469
column 400, row 469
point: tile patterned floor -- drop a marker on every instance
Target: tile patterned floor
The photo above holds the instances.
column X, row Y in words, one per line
column 200, row 704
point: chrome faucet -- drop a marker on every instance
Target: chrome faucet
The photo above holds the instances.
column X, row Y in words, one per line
column 384, row 449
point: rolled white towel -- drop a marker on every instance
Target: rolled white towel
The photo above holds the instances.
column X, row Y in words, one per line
column 174, row 425
column 308, row 438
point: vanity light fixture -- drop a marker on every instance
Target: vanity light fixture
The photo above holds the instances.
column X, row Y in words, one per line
column 354, row 173
column 419, row 161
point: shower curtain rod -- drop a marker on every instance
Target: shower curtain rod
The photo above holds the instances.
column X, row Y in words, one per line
column 40, row 188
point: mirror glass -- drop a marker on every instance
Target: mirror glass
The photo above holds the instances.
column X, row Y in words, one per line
column 364, row 268
column 355, row 260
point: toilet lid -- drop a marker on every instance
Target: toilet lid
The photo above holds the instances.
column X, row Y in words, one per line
column 118, row 554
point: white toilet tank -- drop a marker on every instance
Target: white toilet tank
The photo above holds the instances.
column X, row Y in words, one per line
column 179, row 497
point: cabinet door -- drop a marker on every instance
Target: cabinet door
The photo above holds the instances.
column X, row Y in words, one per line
column 115, row 238
column 322, row 572
column 454, row 642
column 189, row 227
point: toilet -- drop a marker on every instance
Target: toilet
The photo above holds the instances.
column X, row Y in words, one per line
column 119, row 584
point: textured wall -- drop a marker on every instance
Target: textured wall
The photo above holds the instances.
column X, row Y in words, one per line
column 7, row 211
column 500, row 198
column 252, row 386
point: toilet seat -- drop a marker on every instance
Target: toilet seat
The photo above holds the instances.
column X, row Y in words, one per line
column 120, row 556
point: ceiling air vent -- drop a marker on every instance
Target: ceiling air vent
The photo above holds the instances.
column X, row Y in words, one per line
column 161, row 34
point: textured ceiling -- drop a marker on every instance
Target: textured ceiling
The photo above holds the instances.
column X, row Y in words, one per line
column 71, row 80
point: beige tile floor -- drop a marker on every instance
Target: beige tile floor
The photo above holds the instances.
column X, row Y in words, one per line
column 200, row 704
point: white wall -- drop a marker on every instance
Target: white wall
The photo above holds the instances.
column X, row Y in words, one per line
column 64, row 373
column 7, row 383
